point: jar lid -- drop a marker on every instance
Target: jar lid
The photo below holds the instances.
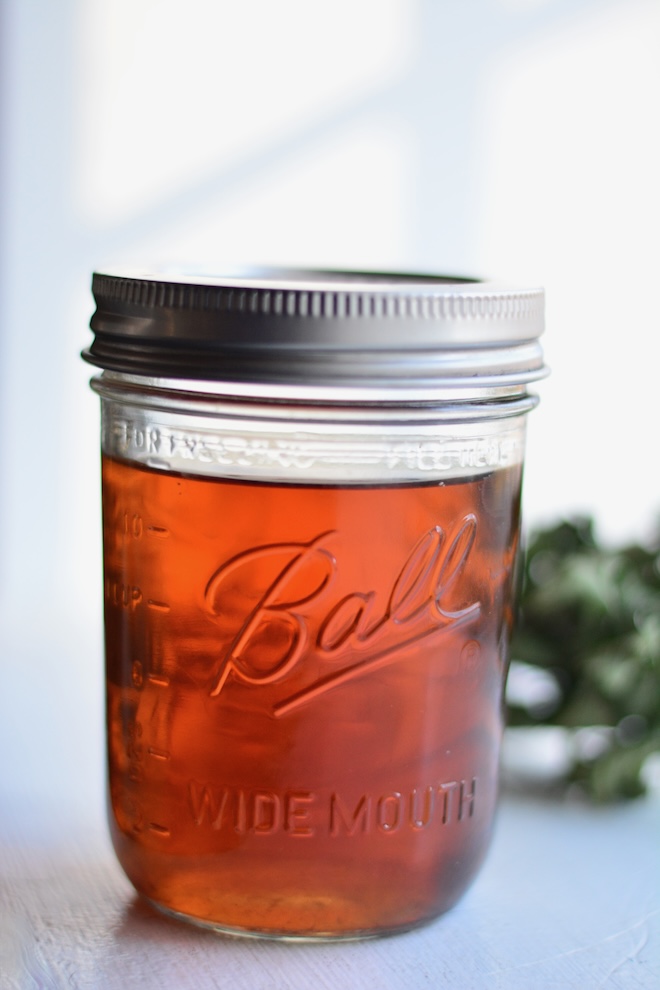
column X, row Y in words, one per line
column 339, row 329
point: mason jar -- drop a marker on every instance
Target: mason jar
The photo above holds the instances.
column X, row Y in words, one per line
column 311, row 512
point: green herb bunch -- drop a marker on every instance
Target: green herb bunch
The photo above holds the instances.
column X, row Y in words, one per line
column 590, row 619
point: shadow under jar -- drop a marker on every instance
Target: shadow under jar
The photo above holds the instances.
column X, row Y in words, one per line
column 311, row 492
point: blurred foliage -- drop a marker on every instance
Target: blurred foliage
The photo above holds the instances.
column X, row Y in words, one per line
column 590, row 618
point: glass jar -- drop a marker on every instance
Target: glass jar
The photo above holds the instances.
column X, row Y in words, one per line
column 311, row 494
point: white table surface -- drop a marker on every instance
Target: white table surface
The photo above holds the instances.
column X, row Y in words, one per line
column 569, row 897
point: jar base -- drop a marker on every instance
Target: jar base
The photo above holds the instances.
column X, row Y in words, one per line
column 285, row 936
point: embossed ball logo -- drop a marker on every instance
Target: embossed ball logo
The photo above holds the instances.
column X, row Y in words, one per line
column 296, row 614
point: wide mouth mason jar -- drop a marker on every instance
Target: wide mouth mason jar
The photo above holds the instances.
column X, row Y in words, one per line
column 311, row 511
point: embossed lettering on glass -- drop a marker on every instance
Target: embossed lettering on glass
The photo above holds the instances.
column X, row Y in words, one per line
column 311, row 512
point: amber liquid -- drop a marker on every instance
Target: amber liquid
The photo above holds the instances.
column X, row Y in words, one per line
column 304, row 694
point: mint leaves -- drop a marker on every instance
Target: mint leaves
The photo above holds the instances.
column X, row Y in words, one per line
column 590, row 621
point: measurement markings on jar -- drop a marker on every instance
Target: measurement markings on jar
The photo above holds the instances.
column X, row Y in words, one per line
column 149, row 672
column 138, row 676
column 157, row 606
column 159, row 754
column 157, row 829
column 133, row 526
column 158, row 531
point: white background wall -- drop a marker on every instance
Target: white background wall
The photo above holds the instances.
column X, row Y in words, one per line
column 516, row 138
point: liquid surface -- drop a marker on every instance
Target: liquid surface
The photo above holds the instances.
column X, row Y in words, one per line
column 304, row 694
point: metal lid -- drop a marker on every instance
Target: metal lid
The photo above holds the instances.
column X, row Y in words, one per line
column 319, row 328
